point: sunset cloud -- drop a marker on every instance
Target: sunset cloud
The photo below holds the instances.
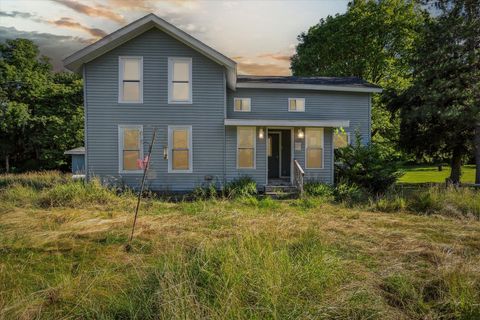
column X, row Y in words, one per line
column 70, row 23
column 93, row 11
column 16, row 14
column 275, row 56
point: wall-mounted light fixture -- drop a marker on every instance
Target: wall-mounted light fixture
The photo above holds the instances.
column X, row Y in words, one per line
column 300, row 134
column 261, row 134
column 165, row 153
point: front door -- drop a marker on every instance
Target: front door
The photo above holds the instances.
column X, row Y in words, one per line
column 273, row 155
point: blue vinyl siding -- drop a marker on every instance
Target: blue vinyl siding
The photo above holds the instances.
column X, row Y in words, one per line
column 319, row 105
column 205, row 114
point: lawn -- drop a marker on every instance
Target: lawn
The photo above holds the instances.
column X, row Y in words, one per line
column 427, row 174
column 62, row 256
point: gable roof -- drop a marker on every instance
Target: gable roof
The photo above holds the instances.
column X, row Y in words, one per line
column 352, row 84
column 75, row 61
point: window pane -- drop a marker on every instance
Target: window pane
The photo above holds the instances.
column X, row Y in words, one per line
column 180, row 160
column 245, row 158
column 340, row 140
column 131, row 139
column 314, row 138
column 130, row 160
column 131, row 91
column 238, row 104
column 181, row 91
column 245, row 104
column 246, row 137
column 300, row 104
column 181, row 71
column 180, row 139
column 131, row 69
column 314, row 158
column 292, row 105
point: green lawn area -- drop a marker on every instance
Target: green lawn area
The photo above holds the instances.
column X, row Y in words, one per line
column 426, row 174
column 62, row 256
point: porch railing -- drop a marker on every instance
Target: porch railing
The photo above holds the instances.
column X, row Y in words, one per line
column 298, row 175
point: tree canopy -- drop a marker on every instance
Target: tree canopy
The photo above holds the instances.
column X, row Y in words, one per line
column 441, row 108
column 41, row 111
column 373, row 40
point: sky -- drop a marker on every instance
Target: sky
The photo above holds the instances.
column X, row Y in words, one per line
column 259, row 35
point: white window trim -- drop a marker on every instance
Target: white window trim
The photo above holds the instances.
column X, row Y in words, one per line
column 254, row 149
column 323, row 147
column 348, row 139
column 171, row 61
column 288, row 106
column 121, row 127
column 249, row 104
column 190, row 149
column 120, row 79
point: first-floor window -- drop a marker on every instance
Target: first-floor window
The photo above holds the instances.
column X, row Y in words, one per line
column 314, row 148
column 180, row 149
column 341, row 140
column 246, row 147
column 130, row 146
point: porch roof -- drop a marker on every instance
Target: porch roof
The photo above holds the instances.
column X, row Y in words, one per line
column 287, row 123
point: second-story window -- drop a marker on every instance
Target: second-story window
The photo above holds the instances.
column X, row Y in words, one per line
column 296, row 104
column 242, row 104
column 179, row 80
column 130, row 80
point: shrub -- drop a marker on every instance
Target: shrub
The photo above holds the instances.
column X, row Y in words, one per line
column 205, row 192
column 390, row 203
column 318, row 189
column 241, row 187
column 367, row 167
column 349, row 193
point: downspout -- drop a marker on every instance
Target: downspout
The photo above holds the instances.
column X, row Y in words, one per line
column 84, row 69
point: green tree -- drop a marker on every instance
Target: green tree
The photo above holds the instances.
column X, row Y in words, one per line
column 440, row 110
column 42, row 110
column 373, row 40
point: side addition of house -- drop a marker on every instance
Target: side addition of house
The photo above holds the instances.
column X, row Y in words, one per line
column 212, row 124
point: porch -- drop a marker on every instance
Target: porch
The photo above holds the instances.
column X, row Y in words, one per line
column 276, row 152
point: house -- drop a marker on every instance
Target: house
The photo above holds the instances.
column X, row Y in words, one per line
column 212, row 124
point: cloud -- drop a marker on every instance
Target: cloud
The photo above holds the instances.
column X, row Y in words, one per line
column 267, row 69
column 275, row 56
column 97, row 11
column 143, row 5
column 16, row 14
column 70, row 23
column 53, row 46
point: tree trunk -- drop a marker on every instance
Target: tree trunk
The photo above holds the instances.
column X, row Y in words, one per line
column 477, row 152
column 456, row 167
column 7, row 163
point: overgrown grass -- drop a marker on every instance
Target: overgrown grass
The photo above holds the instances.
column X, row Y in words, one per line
column 62, row 256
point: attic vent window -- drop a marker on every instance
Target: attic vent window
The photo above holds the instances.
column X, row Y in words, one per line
column 180, row 80
column 242, row 104
column 296, row 104
column 130, row 80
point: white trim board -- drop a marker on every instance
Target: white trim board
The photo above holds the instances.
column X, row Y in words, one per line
column 75, row 61
column 256, row 85
column 287, row 123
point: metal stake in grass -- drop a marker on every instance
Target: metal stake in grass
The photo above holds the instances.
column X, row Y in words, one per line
column 145, row 171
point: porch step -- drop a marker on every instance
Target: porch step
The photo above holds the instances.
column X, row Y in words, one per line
column 287, row 191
